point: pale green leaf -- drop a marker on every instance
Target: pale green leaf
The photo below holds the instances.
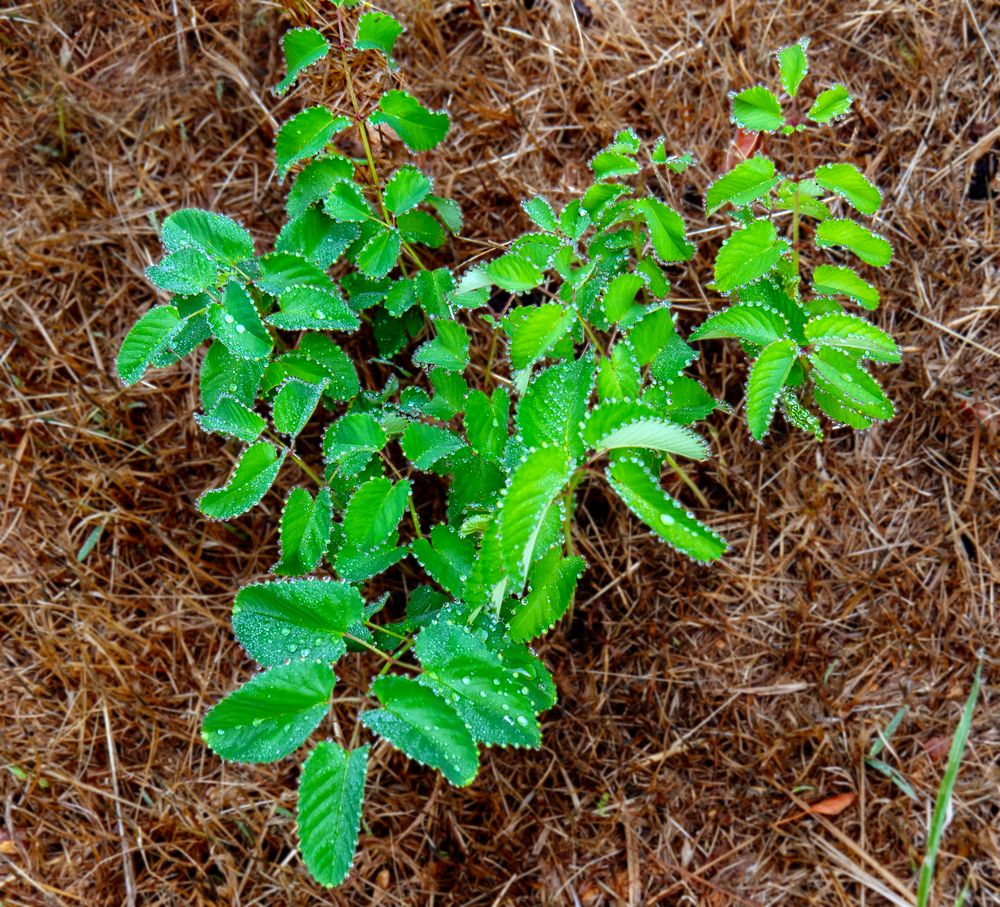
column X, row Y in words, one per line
column 744, row 184
column 541, row 213
column 214, row 234
column 448, row 350
column 839, row 374
column 315, row 181
column 534, row 330
column 305, row 308
column 833, row 102
column 793, row 65
column 514, row 273
column 554, row 404
column 666, row 230
column 446, row 557
column 294, row 404
column 848, row 332
column 756, row 324
column 350, row 442
column 869, row 247
column 426, row 445
column 186, row 271
column 757, row 110
column 379, row 255
column 835, row 280
column 303, row 47
column 378, row 31
column 850, row 183
column 617, row 423
column 748, row 255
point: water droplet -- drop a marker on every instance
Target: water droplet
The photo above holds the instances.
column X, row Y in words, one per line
column 466, row 680
column 521, row 720
column 666, row 519
column 240, row 329
column 229, row 319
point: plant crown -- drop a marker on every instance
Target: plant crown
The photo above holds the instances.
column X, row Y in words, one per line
column 595, row 376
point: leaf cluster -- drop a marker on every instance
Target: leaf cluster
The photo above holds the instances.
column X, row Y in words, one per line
column 588, row 379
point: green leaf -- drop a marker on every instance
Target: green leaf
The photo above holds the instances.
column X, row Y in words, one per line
column 757, row 110
column 346, row 203
column 374, row 511
column 331, row 790
column 305, row 135
column 406, row 189
column 446, row 557
column 237, row 325
column 379, row 255
column 838, row 374
column 350, row 442
column 270, row 715
column 742, row 185
column 425, row 727
column 449, row 211
column 833, row 102
column 618, row 423
column 869, row 247
column 551, row 587
column 303, row 47
column 686, row 400
column 640, row 489
column 837, row 409
column 850, row 183
column 301, row 618
column 426, row 445
column 609, row 164
column 678, row 163
column 756, row 324
column 793, row 65
column 421, row 227
column 187, row 271
column 315, row 181
column 317, row 237
column 835, row 280
column 326, row 360
column 215, row 235
column 666, row 230
column 486, row 422
column 432, row 289
column 534, row 330
column 222, row 373
column 767, row 378
column 513, row 273
column 304, row 532
column 307, row 308
column 378, row 31
column 618, row 377
column 249, row 482
column 748, row 255
column 555, row 403
column 294, row 404
column 848, row 332
column 419, row 129
column 619, row 299
column 541, row 213
column 461, row 669
column 448, row 350
column 149, row 336
column 796, row 414
column 281, row 271
column 533, row 487
column 230, row 417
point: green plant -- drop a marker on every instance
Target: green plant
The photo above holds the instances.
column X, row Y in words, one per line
column 593, row 374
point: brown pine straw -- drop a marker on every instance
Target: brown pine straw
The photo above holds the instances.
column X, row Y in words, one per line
column 698, row 707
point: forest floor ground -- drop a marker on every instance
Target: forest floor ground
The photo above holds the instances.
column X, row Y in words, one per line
column 698, row 707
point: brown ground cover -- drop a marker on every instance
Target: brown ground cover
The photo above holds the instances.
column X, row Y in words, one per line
column 698, row 708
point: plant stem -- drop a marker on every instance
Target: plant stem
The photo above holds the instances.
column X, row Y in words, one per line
column 390, row 660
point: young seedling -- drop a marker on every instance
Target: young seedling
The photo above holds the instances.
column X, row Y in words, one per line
column 596, row 376
column 808, row 351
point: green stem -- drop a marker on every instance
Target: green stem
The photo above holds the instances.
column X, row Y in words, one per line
column 390, row 660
